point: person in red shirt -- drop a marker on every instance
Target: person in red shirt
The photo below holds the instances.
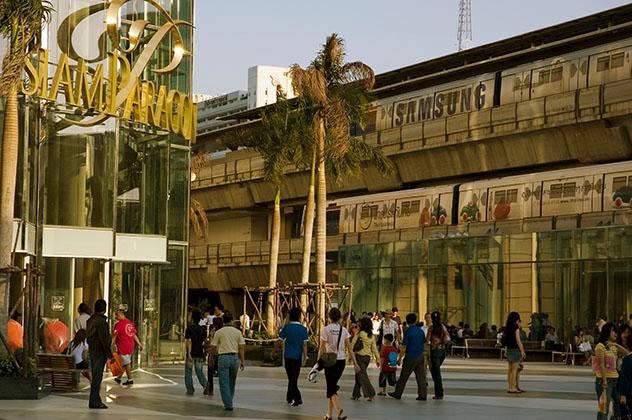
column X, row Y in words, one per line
column 124, row 336
column 388, row 364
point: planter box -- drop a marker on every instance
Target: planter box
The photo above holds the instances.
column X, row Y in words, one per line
column 18, row 388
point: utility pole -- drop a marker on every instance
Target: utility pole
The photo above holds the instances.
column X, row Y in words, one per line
column 464, row 32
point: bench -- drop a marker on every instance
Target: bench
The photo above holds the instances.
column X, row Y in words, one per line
column 477, row 346
column 534, row 351
column 566, row 356
column 59, row 369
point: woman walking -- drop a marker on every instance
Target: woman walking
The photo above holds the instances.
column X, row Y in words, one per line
column 334, row 339
column 364, row 347
column 605, row 368
column 515, row 352
column 438, row 338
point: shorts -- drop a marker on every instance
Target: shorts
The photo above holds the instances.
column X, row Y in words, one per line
column 389, row 377
column 83, row 365
column 126, row 359
column 513, row 355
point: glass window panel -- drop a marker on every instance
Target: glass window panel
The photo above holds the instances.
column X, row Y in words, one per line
column 556, row 191
column 78, row 164
column 569, row 190
column 171, row 302
column 619, row 291
column 512, row 195
column 594, row 244
column 556, row 74
column 546, row 246
column 616, row 60
column 568, row 244
column 438, row 289
column 518, row 288
column 179, row 194
column 544, row 76
column 385, row 254
column 457, row 250
column 520, row 247
column 593, row 292
column 402, row 254
column 437, row 251
column 620, row 242
column 603, row 63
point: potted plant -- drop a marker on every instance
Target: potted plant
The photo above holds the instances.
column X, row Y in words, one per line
column 312, row 351
column 15, row 386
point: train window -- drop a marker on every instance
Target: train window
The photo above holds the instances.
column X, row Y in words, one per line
column 616, row 60
column 603, row 63
column 556, row 191
column 544, row 76
column 512, row 196
column 333, row 222
column 405, row 210
column 569, row 190
column 414, row 206
column 619, row 182
column 517, row 83
column 499, row 196
column 556, row 74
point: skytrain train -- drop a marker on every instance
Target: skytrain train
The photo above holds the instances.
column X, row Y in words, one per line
column 565, row 73
column 562, row 192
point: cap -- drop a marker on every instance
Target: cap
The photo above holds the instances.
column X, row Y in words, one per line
column 122, row 307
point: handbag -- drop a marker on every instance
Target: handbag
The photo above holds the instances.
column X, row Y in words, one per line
column 359, row 344
column 329, row 359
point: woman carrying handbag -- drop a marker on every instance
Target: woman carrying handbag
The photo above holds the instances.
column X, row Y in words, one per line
column 364, row 347
column 334, row 340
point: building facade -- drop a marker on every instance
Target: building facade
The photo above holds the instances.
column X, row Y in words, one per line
column 102, row 198
column 510, row 189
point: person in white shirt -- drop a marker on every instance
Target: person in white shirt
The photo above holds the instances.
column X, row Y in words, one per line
column 244, row 320
column 81, row 322
column 79, row 351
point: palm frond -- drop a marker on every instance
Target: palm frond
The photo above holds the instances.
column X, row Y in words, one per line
column 358, row 73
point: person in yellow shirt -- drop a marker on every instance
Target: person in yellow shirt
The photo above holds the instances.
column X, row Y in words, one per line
column 605, row 368
column 364, row 347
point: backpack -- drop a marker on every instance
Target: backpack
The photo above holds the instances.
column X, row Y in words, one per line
column 392, row 359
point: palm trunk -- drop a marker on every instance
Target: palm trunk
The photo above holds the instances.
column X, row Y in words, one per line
column 308, row 233
column 275, row 238
column 8, row 176
column 321, row 222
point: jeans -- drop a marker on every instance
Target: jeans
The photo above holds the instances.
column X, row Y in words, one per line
column 436, row 360
column 613, row 396
column 362, row 380
column 410, row 365
column 293, row 370
column 198, row 364
column 98, row 365
column 228, row 365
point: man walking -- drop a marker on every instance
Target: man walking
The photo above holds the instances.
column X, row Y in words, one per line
column 229, row 343
column 194, row 336
column 98, row 335
column 124, row 337
column 413, row 349
column 295, row 336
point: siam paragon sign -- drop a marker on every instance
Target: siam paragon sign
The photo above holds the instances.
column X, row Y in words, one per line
column 114, row 86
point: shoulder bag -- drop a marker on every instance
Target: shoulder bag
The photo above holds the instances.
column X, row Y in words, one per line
column 329, row 359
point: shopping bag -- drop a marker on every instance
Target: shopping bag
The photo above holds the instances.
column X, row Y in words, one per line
column 115, row 366
column 603, row 402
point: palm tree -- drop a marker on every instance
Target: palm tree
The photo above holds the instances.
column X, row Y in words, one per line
column 277, row 140
column 20, row 24
column 339, row 94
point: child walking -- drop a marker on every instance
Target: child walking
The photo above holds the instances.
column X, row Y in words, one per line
column 388, row 370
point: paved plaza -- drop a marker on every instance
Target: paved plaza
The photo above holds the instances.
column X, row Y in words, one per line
column 475, row 389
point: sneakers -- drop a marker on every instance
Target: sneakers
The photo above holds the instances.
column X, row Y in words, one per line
column 128, row 382
column 312, row 376
column 117, row 380
column 296, row 403
column 421, row 398
column 394, row 395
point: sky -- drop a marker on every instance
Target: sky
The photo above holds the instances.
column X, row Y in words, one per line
column 233, row 35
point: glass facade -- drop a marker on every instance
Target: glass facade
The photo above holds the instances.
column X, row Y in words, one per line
column 118, row 176
column 572, row 276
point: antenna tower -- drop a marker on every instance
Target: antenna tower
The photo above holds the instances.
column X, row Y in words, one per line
column 464, row 33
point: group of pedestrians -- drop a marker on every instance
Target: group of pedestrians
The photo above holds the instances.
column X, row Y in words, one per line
column 216, row 342
column 399, row 346
column 612, row 365
column 98, row 345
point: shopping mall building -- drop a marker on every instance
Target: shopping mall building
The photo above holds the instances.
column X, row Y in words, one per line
column 106, row 124
column 511, row 189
